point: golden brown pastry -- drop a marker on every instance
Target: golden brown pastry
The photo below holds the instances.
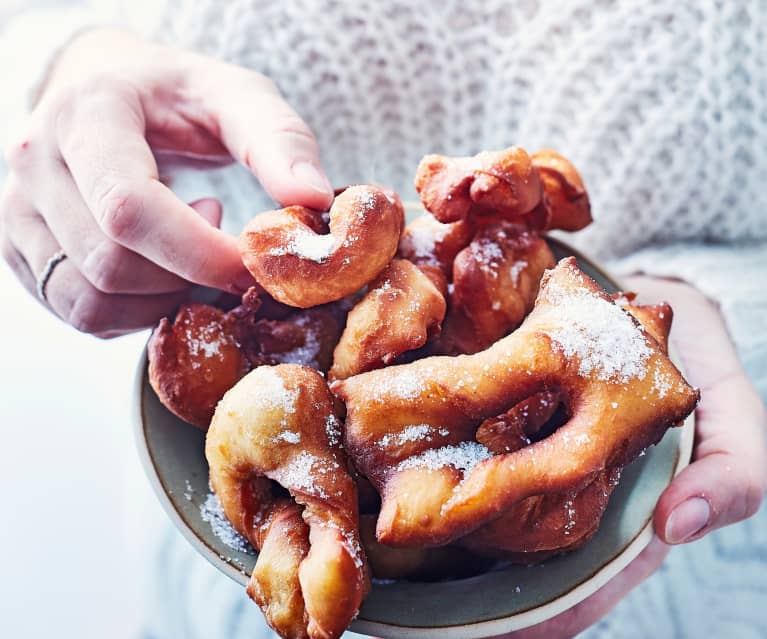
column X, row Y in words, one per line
column 278, row 427
column 417, row 563
column 410, row 429
column 432, row 246
column 495, row 281
column 541, row 526
column 496, row 183
column 565, row 203
column 400, row 311
column 194, row 360
column 293, row 256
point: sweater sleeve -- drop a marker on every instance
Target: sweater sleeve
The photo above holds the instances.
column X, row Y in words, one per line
column 734, row 276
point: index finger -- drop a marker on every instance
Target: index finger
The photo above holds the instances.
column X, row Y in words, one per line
column 116, row 173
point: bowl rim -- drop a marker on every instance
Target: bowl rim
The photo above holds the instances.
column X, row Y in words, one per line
column 475, row 630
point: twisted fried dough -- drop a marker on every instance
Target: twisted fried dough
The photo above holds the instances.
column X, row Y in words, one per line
column 494, row 183
column 400, row 311
column 565, row 201
column 279, row 423
column 620, row 390
column 292, row 256
column 495, row 281
column 544, row 525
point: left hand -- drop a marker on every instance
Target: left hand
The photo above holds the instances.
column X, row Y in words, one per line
column 727, row 479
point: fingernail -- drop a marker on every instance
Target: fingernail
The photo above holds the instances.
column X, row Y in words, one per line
column 242, row 283
column 687, row 519
column 311, row 176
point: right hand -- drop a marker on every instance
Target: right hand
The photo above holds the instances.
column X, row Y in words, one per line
column 83, row 178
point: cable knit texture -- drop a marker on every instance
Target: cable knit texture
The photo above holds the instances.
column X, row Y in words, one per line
column 662, row 105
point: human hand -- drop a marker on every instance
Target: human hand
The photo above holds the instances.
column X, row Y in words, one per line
column 83, row 178
column 727, row 478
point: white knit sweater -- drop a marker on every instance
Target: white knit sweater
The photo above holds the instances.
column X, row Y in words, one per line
column 662, row 105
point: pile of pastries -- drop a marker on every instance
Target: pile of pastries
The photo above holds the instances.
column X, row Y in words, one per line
column 417, row 402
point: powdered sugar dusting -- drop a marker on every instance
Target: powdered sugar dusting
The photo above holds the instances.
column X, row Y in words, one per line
column 307, row 353
column 420, row 240
column 516, row 269
column 661, row 383
column 269, row 393
column 463, row 457
column 212, row 512
column 603, row 337
column 288, row 436
column 300, row 472
column 333, row 429
column 309, row 245
column 406, row 384
column 488, row 254
column 413, row 433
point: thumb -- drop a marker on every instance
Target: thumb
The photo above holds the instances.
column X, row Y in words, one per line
column 728, row 477
column 261, row 130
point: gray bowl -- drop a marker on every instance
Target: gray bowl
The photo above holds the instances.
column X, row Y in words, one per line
column 498, row 601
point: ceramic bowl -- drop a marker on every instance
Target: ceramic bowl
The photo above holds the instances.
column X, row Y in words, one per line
column 498, row 601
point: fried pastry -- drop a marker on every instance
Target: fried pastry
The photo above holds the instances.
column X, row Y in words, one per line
column 565, row 204
column 194, row 360
column 277, row 427
column 400, row 311
column 417, row 563
column 496, row 183
column 432, row 246
column 620, row 390
column 495, row 281
column 303, row 262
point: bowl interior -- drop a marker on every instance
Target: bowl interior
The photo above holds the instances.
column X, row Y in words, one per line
column 503, row 599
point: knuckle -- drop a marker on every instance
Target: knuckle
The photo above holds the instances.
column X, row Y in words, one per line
column 102, row 265
column 119, row 208
column 291, row 124
column 20, row 154
column 87, row 313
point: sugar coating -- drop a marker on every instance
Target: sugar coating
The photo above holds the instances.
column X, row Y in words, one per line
column 309, row 245
column 265, row 390
column 307, row 353
column 333, row 429
column 406, row 384
column 488, row 254
column 301, row 471
column 515, row 271
column 212, row 512
column 207, row 341
column 288, row 436
column 463, row 456
column 601, row 335
column 413, row 433
column 421, row 239
column 662, row 383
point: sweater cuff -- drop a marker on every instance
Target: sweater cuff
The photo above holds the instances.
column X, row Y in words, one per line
column 734, row 276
